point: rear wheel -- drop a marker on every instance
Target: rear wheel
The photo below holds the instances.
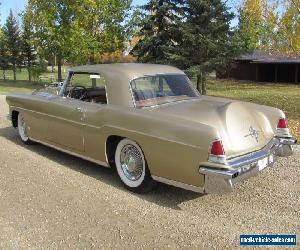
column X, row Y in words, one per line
column 132, row 167
column 22, row 129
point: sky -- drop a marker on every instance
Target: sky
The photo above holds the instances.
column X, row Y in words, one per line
column 18, row 5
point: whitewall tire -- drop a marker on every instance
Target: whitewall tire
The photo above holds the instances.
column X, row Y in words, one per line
column 132, row 167
column 22, row 129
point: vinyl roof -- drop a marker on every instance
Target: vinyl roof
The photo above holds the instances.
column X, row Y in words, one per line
column 118, row 76
column 127, row 70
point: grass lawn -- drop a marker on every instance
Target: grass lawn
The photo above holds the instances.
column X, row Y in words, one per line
column 19, row 86
column 283, row 96
column 22, row 74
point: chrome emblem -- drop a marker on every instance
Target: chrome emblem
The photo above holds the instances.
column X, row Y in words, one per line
column 254, row 133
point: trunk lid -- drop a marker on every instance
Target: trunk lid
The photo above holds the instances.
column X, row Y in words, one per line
column 241, row 129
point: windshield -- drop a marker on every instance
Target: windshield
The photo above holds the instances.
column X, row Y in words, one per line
column 160, row 89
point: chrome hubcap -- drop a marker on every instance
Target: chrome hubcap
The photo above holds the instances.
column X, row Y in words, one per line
column 131, row 162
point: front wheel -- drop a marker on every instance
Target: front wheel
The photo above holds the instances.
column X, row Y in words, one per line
column 132, row 167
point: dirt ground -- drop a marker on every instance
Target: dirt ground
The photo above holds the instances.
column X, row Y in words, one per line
column 49, row 199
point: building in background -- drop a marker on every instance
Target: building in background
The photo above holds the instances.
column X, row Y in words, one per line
column 261, row 66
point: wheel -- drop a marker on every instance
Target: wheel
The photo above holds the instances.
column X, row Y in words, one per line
column 132, row 167
column 22, row 129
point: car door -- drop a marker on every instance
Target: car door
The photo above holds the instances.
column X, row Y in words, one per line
column 94, row 139
column 66, row 123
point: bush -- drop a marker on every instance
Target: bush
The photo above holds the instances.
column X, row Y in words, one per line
column 36, row 71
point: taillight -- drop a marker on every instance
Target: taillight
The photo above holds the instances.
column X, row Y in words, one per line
column 282, row 123
column 282, row 128
column 217, row 152
column 217, row 148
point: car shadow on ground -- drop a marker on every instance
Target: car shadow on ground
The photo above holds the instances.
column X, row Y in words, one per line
column 163, row 195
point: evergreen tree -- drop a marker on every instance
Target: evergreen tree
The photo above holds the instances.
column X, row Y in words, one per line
column 207, row 39
column 29, row 55
column 159, row 31
column 12, row 42
column 3, row 54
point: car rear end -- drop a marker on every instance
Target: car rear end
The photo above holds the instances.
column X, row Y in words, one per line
column 222, row 172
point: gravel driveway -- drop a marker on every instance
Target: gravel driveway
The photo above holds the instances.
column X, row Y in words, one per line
column 49, row 199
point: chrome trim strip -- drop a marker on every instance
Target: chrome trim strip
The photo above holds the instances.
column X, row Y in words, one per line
column 104, row 164
column 178, row 184
column 156, row 137
column 287, row 141
column 116, row 127
column 171, row 103
column 131, row 93
column 52, row 116
column 227, row 174
column 107, row 101
column 252, row 157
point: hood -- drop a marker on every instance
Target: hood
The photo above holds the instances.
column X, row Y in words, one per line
column 242, row 129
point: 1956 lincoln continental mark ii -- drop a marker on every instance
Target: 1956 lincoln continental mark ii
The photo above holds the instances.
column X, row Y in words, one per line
column 150, row 123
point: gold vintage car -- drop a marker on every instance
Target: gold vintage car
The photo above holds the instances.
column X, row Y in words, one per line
column 152, row 125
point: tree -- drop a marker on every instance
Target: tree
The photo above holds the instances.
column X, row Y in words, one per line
column 29, row 55
column 289, row 29
column 75, row 30
column 159, row 31
column 53, row 23
column 207, row 40
column 250, row 24
column 12, row 39
column 103, row 23
column 269, row 25
column 3, row 54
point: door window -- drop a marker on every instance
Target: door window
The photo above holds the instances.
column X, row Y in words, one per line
column 86, row 87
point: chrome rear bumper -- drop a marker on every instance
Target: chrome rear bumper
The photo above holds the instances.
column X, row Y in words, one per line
column 222, row 178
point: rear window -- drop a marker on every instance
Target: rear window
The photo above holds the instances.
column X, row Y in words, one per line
column 156, row 90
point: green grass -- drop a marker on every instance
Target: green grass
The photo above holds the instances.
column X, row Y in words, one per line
column 283, row 96
column 22, row 74
column 19, row 86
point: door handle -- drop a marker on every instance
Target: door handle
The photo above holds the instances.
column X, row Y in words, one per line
column 79, row 109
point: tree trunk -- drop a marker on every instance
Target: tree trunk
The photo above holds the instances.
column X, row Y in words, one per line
column 203, row 84
column 199, row 83
column 15, row 73
column 4, row 76
column 29, row 74
column 59, row 65
column 92, row 58
column 29, row 71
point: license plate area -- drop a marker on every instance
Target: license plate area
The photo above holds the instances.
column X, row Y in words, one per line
column 265, row 162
